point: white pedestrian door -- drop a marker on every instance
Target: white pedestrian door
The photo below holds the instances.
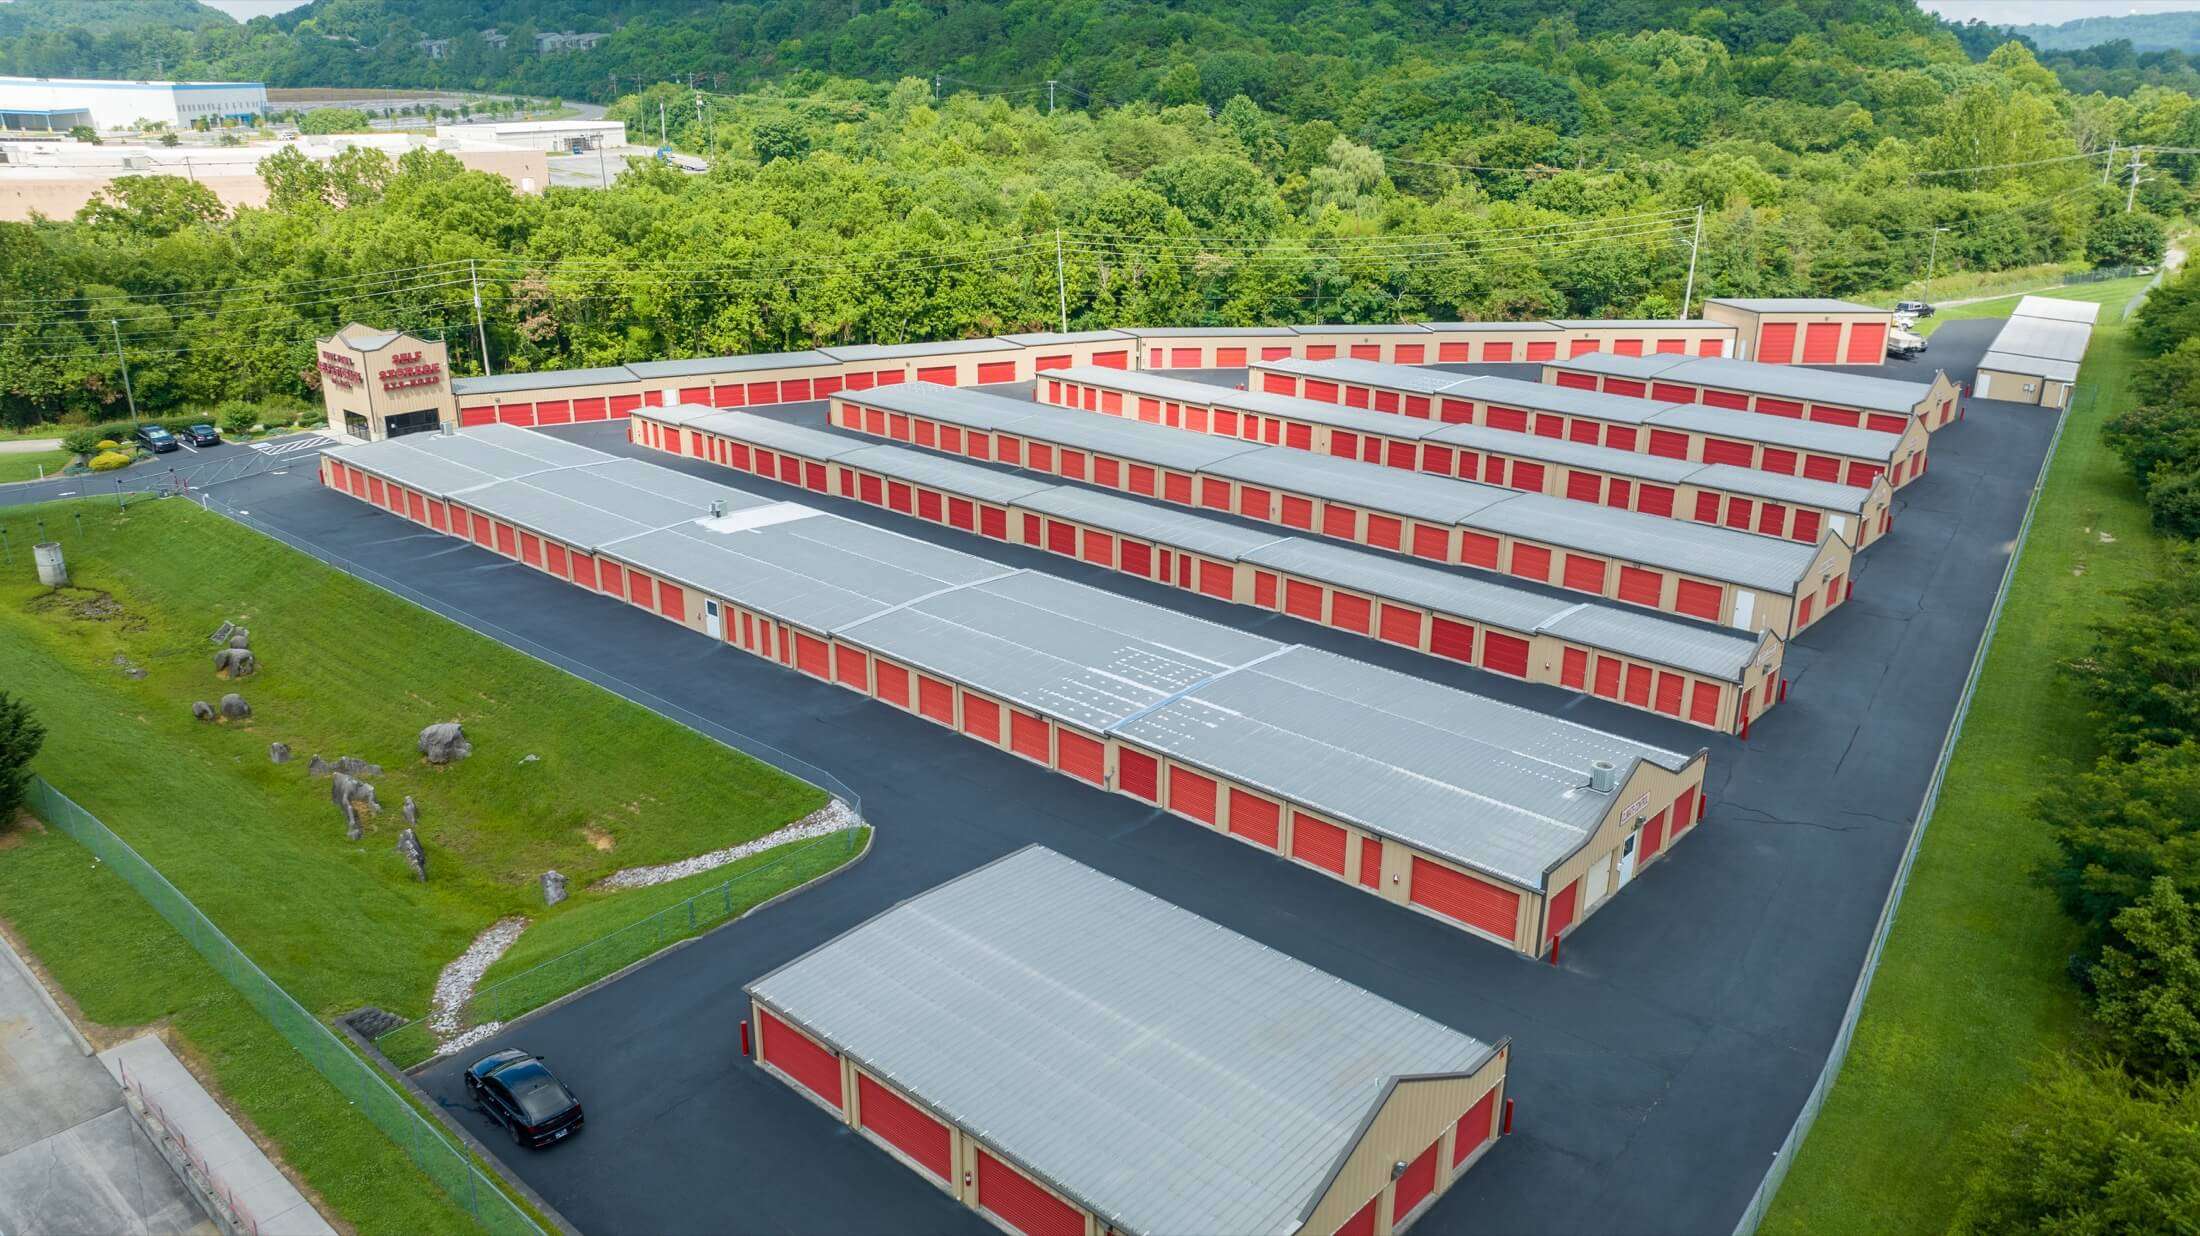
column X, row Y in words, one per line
column 712, row 622
column 1745, row 608
column 1627, row 859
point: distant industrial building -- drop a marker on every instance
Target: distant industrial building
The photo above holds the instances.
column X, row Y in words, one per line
column 2035, row 356
column 56, row 178
column 555, row 136
column 58, row 104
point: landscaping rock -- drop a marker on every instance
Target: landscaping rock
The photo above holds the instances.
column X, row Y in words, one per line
column 202, row 710
column 317, row 766
column 235, row 663
column 357, row 767
column 553, row 888
column 408, row 844
column 242, row 639
column 412, row 810
column 353, row 828
column 345, row 788
column 233, row 707
column 444, row 743
column 278, row 753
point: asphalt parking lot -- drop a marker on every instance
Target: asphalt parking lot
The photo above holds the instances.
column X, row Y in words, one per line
column 1655, row 1070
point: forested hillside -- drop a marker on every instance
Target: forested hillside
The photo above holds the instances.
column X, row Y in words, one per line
column 1233, row 163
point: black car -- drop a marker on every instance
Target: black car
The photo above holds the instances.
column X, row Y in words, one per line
column 1918, row 307
column 202, row 434
column 155, row 439
column 518, row 1091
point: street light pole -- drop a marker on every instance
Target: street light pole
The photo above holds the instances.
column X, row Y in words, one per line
column 126, row 391
column 1932, row 259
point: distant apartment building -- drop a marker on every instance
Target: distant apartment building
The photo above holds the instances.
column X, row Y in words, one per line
column 555, row 43
column 434, row 49
column 58, row 104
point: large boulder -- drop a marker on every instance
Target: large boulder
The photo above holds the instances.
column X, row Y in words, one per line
column 235, row 663
column 444, row 743
column 553, row 888
column 242, row 639
column 233, row 707
column 345, row 788
column 278, row 752
column 357, row 767
column 318, row 767
column 201, row 710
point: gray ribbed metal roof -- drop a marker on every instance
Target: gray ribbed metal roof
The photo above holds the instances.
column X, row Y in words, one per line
column 907, row 351
column 2030, row 366
column 1781, row 431
column 1393, row 377
column 938, row 472
column 1847, row 390
column 1048, row 338
column 1180, row 449
column 1779, row 487
column 1369, row 486
column 2046, row 338
column 1051, row 646
column 429, row 471
column 1727, row 478
column 703, row 366
column 1566, row 400
column 817, row 571
column 1501, row 789
column 1207, row 394
column 1221, row 332
column 1677, row 545
column 582, row 524
column 2058, row 309
column 1492, row 326
column 775, row 435
column 1639, row 324
column 1792, row 304
column 609, row 375
column 1147, row 522
column 693, row 494
column 1714, row 652
column 1165, row 1073
column 1371, row 328
column 967, row 408
column 551, row 451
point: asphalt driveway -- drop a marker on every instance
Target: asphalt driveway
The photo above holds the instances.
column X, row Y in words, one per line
column 1655, row 1070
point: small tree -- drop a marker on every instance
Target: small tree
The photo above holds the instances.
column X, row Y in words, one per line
column 86, row 134
column 2147, row 989
column 2119, row 827
column 20, row 737
column 2088, row 1151
column 2126, row 240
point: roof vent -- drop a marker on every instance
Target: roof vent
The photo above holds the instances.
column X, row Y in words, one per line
column 447, row 428
column 717, row 508
column 1603, row 776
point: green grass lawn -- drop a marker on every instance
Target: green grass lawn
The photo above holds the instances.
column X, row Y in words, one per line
column 2111, row 294
column 1971, row 995
column 24, row 465
column 259, row 847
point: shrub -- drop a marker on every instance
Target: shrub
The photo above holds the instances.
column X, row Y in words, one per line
column 2119, row 827
column 109, row 444
column 82, row 441
column 2173, row 501
column 2147, row 986
column 2088, row 1151
column 237, row 417
column 2156, row 436
column 20, row 738
column 2142, row 675
column 108, row 461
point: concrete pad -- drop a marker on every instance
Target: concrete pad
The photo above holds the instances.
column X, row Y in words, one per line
column 100, row 1178
column 46, row 1084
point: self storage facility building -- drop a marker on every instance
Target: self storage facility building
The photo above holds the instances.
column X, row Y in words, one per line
column 1810, row 330
column 1498, row 820
column 1853, row 400
column 1713, row 677
column 1717, row 574
column 1797, row 508
column 1070, row 1056
column 1675, row 430
column 2035, row 356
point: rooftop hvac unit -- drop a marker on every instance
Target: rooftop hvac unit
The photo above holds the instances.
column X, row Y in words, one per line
column 1603, row 776
column 717, row 508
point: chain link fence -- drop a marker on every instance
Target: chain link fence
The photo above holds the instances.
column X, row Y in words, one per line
column 1769, row 1188
column 449, row 1165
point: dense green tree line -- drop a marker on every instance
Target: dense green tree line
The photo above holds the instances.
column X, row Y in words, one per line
column 2113, row 1145
column 868, row 212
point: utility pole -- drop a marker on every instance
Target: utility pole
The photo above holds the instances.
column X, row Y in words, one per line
column 1932, row 260
column 661, row 122
column 935, row 87
column 1050, row 96
column 2132, row 191
column 2108, row 166
column 480, row 332
column 1688, row 293
column 127, row 393
column 1061, row 283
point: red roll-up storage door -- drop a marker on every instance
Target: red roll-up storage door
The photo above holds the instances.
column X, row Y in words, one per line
column 1822, row 343
column 1080, row 756
column 1317, row 842
column 1699, row 600
column 997, row 371
column 1505, row 654
column 1415, row 1184
column 1254, row 818
column 939, row 375
column 812, row 656
column 1776, row 343
column 671, row 602
column 904, row 1126
column 1478, row 1124
column 1362, row 1222
column 800, row 1057
column 935, row 700
column 1191, row 795
column 1022, row 1203
column 1027, row 737
column 1867, row 343
column 1456, row 895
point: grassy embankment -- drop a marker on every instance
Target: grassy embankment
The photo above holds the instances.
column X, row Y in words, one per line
column 259, row 847
column 1971, row 995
